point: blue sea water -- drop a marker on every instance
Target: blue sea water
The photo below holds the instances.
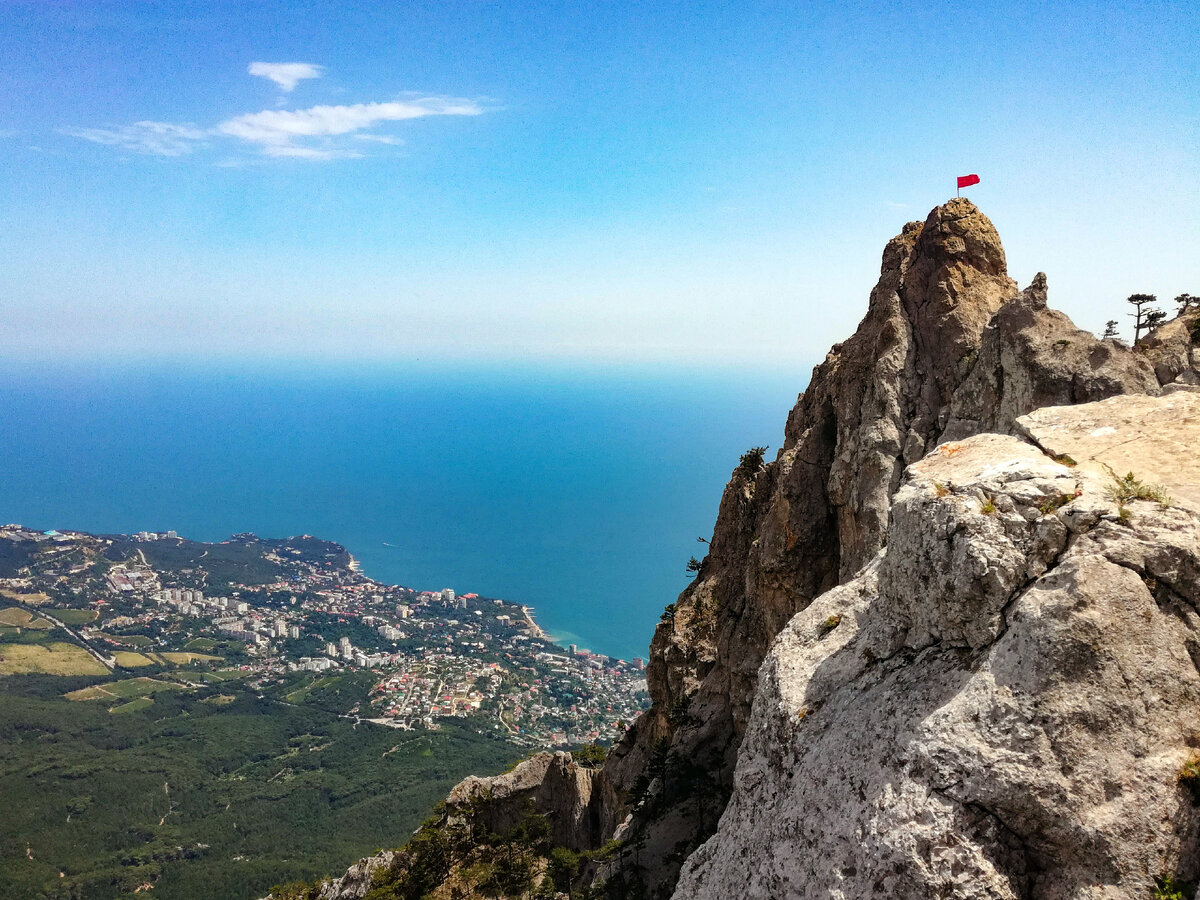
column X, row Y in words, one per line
column 578, row 491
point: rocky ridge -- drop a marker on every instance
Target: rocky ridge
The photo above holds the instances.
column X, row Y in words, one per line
column 949, row 348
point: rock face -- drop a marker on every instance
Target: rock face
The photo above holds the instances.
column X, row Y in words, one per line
column 551, row 784
column 1032, row 356
column 357, row 880
column 998, row 706
column 948, row 345
column 1171, row 349
column 1155, row 438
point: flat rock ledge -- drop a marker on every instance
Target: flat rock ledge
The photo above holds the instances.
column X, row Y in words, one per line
column 1153, row 437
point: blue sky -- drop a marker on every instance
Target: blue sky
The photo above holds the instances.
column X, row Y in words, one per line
column 699, row 182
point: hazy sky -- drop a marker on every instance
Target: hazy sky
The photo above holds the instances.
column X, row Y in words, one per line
column 692, row 181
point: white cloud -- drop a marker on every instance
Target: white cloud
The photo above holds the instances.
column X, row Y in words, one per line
column 286, row 75
column 157, row 138
column 380, row 139
column 278, row 126
column 276, row 131
column 317, row 133
column 309, row 152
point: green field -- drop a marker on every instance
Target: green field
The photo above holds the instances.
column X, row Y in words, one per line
column 182, row 659
column 213, row 792
column 74, row 616
column 137, row 705
column 129, row 640
column 300, row 695
column 54, row 658
column 130, row 660
column 23, row 618
column 192, row 677
column 202, row 645
column 130, row 687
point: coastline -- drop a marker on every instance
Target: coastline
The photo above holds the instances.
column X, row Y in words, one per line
column 562, row 639
column 533, row 626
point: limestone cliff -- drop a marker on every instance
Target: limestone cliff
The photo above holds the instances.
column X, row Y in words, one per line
column 947, row 344
column 551, row 784
column 1000, row 705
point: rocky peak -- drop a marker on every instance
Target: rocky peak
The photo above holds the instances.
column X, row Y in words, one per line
column 550, row 784
column 953, row 282
column 947, row 340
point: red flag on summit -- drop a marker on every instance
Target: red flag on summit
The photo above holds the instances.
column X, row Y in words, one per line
column 967, row 181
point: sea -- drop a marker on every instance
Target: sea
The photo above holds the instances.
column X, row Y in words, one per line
column 579, row 490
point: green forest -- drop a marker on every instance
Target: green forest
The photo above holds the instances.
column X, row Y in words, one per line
column 217, row 791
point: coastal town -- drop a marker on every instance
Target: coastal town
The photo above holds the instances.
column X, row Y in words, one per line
column 298, row 618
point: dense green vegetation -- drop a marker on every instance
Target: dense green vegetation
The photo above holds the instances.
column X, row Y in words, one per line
column 214, row 792
column 461, row 853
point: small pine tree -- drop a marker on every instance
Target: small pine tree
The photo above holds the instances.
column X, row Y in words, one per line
column 1187, row 302
column 1142, row 313
column 1110, row 329
column 752, row 460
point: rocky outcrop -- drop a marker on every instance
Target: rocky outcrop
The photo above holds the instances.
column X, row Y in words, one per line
column 357, row 880
column 1171, row 349
column 549, row 784
column 949, row 351
column 1030, row 357
column 948, row 346
column 1154, row 438
column 998, row 706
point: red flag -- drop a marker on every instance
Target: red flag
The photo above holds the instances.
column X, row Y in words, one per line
column 967, row 181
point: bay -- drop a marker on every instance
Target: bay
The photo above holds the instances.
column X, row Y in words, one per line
column 579, row 490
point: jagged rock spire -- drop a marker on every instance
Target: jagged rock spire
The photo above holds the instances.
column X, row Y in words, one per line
column 814, row 517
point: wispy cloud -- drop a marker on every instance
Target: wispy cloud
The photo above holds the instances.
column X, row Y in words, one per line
column 286, row 75
column 157, row 138
column 380, row 139
column 299, row 152
column 274, row 127
column 276, row 131
column 316, row 133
